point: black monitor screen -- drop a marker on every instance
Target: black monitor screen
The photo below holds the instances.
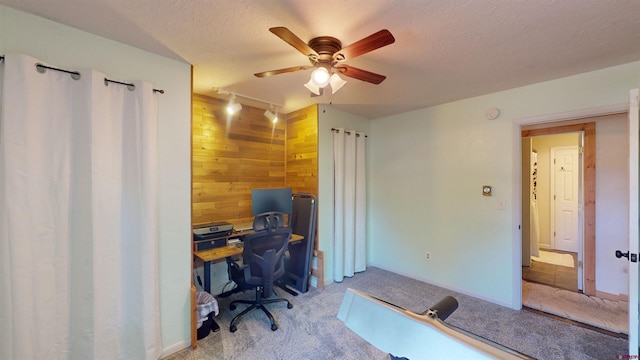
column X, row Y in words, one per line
column 265, row 200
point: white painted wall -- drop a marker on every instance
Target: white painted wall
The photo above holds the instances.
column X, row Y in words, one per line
column 427, row 171
column 71, row 48
column 612, row 204
column 328, row 118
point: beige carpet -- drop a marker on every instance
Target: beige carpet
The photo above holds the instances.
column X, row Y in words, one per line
column 554, row 258
column 605, row 314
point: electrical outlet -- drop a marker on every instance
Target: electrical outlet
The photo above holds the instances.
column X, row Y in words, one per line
column 427, row 255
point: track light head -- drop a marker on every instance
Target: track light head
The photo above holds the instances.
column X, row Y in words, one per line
column 233, row 106
column 271, row 116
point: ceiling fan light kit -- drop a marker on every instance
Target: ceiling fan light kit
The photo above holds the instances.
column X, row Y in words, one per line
column 327, row 55
column 320, row 77
column 336, row 83
column 312, row 87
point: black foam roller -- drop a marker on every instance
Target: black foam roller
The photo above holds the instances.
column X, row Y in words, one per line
column 445, row 307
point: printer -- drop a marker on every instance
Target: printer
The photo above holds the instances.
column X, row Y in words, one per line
column 215, row 232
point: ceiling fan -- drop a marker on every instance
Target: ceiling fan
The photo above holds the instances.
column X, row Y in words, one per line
column 327, row 55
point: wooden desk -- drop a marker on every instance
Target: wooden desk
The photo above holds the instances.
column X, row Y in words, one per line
column 216, row 254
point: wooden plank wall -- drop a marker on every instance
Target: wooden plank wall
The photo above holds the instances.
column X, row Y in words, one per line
column 232, row 157
column 302, row 150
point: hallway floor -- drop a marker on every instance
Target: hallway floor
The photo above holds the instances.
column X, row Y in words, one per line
column 553, row 289
column 553, row 275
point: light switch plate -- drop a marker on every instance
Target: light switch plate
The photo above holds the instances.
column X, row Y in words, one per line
column 502, row 204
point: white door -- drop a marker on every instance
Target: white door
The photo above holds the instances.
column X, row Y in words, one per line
column 634, row 134
column 565, row 198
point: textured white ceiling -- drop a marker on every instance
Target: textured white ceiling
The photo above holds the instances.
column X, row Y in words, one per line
column 445, row 50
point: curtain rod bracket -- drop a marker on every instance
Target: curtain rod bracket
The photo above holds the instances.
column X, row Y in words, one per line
column 346, row 132
column 76, row 75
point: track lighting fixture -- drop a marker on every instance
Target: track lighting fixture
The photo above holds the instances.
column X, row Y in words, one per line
column 271, row 116
column 233, row 106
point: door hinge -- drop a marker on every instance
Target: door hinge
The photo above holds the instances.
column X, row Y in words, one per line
column 580, row 264
column 580, row 150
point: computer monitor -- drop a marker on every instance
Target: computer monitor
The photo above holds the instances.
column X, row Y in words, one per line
column 265, row 200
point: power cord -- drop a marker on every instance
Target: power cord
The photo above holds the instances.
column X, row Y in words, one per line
column 195, row 269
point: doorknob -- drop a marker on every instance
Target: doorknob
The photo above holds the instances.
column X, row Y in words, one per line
column 620, row 254
column 630, row 257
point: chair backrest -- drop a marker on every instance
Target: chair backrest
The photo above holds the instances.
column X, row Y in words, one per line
column 263, row 256
column 268, row 220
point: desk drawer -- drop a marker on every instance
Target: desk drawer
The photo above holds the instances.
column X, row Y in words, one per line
column 210, row 244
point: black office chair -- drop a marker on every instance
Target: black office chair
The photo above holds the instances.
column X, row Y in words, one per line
column 263, row 263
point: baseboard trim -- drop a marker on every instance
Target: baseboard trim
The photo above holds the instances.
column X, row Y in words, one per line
column 170, row 350
column 449, row 287
column 577, row 323
column 612, row 297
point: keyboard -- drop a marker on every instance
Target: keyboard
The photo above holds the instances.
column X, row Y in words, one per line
column 243, row 226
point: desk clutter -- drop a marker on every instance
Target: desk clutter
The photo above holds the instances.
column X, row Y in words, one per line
column 243, row 226
column 211, row 235
column 207, row 305
column 224, row 241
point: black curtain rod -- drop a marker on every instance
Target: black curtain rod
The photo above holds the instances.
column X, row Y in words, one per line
column 76, row 75
column 347, row 132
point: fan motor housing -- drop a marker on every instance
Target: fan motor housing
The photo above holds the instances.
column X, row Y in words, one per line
column 325, row 46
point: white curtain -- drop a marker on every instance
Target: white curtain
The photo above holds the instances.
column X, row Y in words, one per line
column 534, row 219
column 78, row 216
column 349, row 206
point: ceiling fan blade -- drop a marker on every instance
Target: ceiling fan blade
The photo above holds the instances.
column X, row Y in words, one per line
column 360, row 74
column 293, row 40
column 370, row 43
column 282, row 71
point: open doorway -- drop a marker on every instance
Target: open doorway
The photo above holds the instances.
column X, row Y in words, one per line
column 545, row 139
column 610, row 225
column 555, row 210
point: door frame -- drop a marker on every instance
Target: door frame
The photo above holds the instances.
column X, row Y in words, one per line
column 516, row 185
column 589, row 187
column 634, row 130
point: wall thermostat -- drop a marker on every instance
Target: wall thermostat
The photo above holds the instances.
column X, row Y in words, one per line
column 486, row 190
